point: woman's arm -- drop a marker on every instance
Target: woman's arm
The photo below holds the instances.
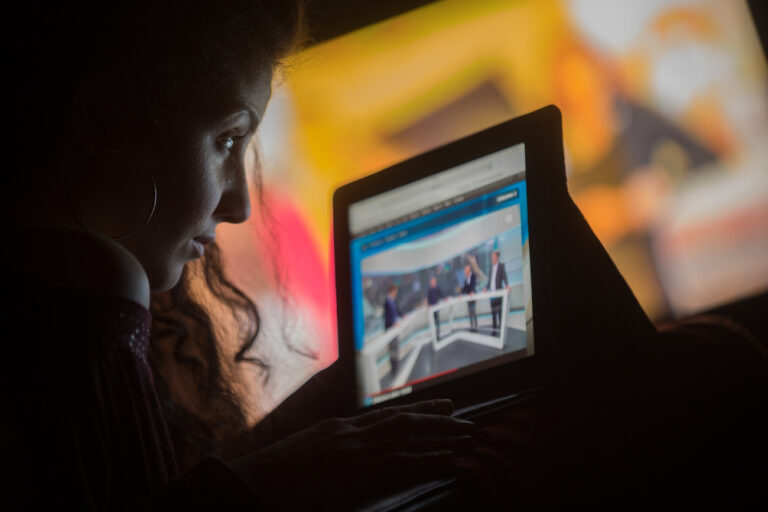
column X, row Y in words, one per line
column 341, row 460
column 476, row 268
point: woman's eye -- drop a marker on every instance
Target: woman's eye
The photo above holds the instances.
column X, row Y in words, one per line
column 228, row 142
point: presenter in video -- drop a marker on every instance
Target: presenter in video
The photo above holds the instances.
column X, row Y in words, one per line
column 435, row 295
column 497, row 281
column 391, row 316
column 470, row 284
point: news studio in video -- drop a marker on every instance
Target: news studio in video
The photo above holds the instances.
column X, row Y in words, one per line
column 441, row 277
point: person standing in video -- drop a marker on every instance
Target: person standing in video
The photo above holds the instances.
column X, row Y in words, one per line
column 497, row 281
column 435, row 295
column 470, row 284
column 392, row 315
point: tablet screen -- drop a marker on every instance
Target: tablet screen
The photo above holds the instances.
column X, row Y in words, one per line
column 440, row 270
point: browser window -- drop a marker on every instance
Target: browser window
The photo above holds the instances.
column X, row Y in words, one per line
column 441, row 283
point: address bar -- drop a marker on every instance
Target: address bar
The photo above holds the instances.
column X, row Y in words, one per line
column 436, row 193
column 436, row 189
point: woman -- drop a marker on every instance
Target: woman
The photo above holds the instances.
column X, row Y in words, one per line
column 130, row 130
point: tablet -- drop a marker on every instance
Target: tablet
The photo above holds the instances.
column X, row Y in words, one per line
column 440, row 264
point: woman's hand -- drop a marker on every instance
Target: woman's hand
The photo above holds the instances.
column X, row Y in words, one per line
column 345, row 458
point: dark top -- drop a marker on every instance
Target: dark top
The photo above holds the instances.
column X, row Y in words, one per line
column 434, row 295
column 83, row 415
column 501, row 276
column 470, row 285
column 391, row 312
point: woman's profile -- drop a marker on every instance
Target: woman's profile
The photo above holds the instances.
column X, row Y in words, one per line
column 130, row 126
column 127, row 132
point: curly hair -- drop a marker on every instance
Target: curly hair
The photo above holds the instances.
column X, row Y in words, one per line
column 157, row 58
column 157, row 55
column 203, row 329
column 194, row 373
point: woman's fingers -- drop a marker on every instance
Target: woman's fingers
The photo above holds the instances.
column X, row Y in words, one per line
column 410, row 423
column 442, row 407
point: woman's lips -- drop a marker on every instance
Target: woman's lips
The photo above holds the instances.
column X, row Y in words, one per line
column 198, row 248
column 204, row 240
column 199, row 243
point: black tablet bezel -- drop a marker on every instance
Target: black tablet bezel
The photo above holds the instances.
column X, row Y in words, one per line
column 541, row 132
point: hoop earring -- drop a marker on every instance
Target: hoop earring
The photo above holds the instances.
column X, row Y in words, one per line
column 149, row 216
column 99, row 196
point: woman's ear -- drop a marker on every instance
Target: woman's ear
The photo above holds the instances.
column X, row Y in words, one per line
column 98, row 114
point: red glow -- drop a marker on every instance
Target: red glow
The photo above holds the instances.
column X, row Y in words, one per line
column 414, row 382
column 302, row 272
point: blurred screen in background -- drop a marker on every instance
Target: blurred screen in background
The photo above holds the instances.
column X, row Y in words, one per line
column 665, row 120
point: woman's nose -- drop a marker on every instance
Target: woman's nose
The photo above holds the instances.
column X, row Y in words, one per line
column 235, row 203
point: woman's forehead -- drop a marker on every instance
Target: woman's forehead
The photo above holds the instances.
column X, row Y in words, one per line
column 247, row 94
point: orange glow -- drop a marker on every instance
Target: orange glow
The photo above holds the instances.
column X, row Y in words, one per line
column 686, row 23
column 606, row 210
column 584, row 97
column 665, row 118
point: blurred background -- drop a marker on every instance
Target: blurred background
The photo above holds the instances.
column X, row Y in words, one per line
column 665, row 120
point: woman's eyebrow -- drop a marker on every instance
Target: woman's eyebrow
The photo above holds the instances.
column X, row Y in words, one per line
column 254, row 116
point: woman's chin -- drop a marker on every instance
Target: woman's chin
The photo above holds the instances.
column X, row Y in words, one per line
column 164, row 281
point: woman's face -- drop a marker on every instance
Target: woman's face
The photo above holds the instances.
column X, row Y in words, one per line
column 198, row 163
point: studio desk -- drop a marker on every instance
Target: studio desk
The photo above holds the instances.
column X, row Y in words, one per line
column 418, row 328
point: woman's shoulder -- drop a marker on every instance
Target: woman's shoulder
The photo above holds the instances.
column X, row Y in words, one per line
column 78, row 260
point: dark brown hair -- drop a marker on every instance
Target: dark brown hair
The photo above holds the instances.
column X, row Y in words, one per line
column 191, row 366
column 155, row 58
